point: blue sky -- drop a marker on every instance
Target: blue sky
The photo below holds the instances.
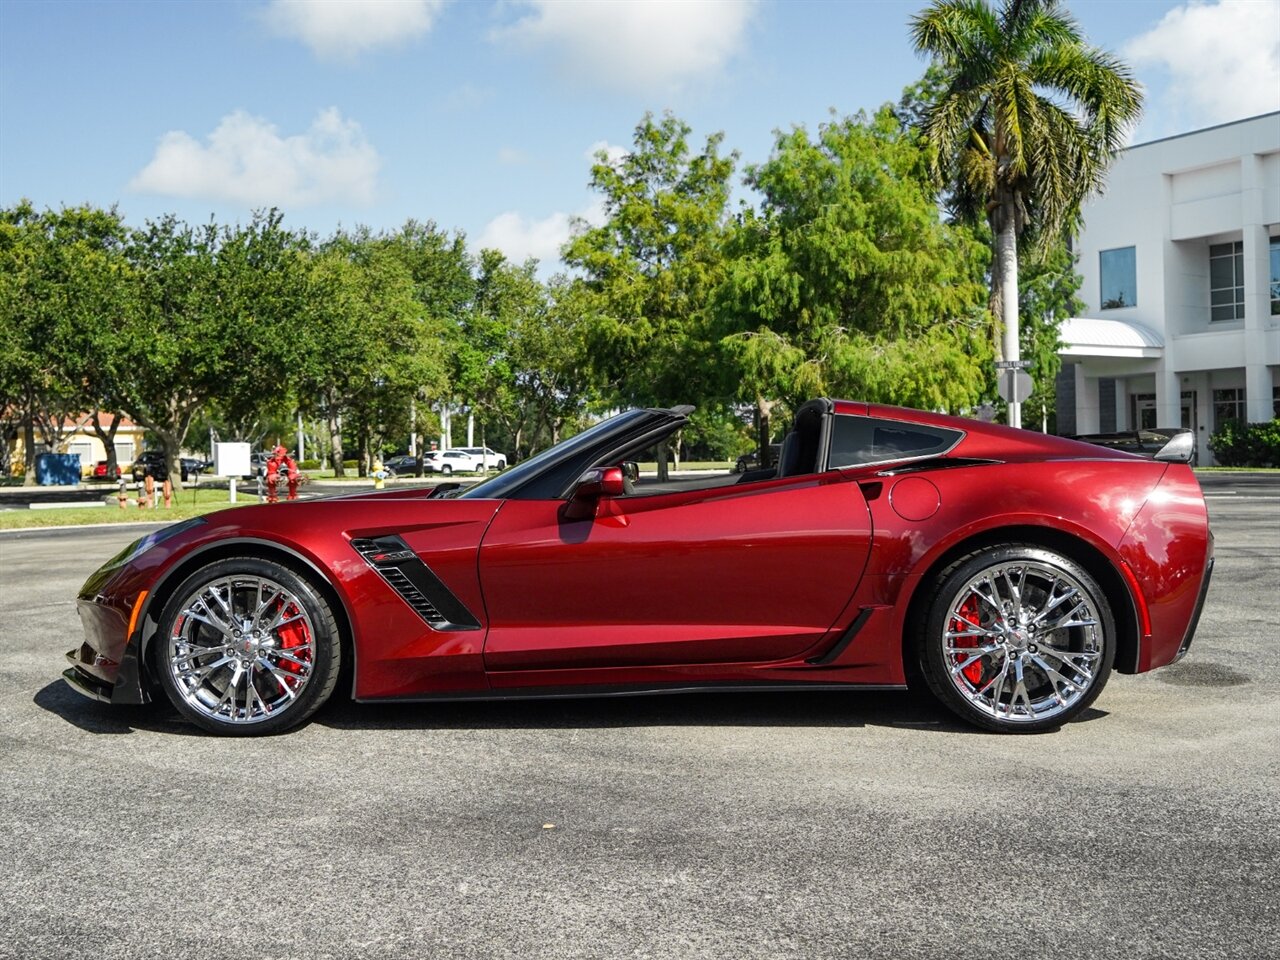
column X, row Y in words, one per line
column 482, row 116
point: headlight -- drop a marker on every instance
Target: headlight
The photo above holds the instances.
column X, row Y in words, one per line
column 98, row 579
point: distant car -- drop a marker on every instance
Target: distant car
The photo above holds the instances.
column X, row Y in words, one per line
column 486, row 459
column 751, row 461
column 100, row 471
column 401, row 464
column 450, row 461
column 155, row 458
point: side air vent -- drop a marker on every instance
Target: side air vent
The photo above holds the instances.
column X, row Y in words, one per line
column 416, row 583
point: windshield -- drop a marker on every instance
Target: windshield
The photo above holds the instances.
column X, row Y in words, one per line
column 498, row 487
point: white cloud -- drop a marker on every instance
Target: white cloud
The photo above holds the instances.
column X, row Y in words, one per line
column 519, row 237
column 639, row 45
column 512, row 156
column 344, row 29
column 613, row 153
column 1222, row 59
column 246, row 160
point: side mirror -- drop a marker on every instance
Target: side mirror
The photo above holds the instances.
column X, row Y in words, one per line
column 631, row 470
column 601, row 482
column 591, row 486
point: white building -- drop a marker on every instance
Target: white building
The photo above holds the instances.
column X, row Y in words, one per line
column 1180, row 259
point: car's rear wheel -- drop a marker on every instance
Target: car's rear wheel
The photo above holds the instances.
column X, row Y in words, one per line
column 1018, row 638
column 247, row 646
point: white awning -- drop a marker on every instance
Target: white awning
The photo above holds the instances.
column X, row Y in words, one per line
column 1089, row 337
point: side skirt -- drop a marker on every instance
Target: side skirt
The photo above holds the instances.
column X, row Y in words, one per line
column 576, row 693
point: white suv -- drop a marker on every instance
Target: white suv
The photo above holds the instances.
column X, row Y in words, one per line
column 449, row 461
column 486, row 459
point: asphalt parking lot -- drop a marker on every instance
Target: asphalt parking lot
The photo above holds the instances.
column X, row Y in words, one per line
column 734, row 826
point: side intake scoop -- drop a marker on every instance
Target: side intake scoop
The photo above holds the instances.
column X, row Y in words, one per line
column 417, row 584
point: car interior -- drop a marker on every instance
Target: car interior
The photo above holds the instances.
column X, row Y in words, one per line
column 803, row 452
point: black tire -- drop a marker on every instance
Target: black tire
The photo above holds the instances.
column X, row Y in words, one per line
column 446, row 469
column 502, row 465
column 1022, row 613
column 192, row 680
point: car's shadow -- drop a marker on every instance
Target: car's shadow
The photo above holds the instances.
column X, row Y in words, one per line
column 818, row 708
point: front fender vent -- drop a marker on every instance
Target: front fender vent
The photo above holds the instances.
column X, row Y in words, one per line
column 416, row 583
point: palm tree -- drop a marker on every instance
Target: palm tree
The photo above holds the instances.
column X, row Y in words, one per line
column 1025, row 128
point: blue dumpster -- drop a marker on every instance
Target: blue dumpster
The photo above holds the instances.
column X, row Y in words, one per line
column 57, row 469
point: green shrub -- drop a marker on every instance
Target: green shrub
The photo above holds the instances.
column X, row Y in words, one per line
column 350, row 464
column 309, row 465
column 1236, row 444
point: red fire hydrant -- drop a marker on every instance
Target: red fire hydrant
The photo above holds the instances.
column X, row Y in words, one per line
column 280, row 462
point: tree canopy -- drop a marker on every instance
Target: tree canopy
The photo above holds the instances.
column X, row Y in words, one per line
column 1025, row 127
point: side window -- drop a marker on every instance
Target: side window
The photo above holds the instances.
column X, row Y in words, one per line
column 859, row 440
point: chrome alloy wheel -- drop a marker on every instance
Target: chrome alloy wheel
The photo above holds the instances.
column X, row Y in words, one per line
column 1023, row 641
column 241, row 649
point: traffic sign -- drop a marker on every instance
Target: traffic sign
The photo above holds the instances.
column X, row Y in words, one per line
column 1014, row 385
column 1012, row 364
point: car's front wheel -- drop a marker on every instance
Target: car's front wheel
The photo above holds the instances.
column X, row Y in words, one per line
column 247, row 646
column 1017, row 638
column 446, row 469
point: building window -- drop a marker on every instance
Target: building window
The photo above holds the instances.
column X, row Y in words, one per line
column 1119, row 272
column 82, row 449
column 1275, row 399
column 1144, row 411
column 1226, row 281
column 1275, row 278
column 1228, row 405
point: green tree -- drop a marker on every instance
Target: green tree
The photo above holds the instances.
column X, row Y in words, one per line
column 441, row 271
column 1026, row 127
column 1047, row 298
column 652, row 266
column 364, row 345
column 216, row 312
column 63, row 295
column 846, row 281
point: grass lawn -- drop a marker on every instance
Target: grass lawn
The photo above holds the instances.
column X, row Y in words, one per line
column 1237, row 470
column 206, row 501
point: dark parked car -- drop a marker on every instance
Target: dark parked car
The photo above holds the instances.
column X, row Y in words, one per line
column 751, row 461
column 155, row 458
column 401, row 465
column 1009, row 571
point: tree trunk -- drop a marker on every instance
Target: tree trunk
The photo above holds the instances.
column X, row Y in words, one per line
column 763, row 409
column 1007, row 257
column 997, row 311
column 335, row 435
column 108, row 438
column 172, row 461
column 29, row 450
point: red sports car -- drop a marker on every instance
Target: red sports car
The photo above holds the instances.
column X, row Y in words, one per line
column 1008, row 571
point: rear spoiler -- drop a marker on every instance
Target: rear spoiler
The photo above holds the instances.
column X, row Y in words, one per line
column 1178, row 450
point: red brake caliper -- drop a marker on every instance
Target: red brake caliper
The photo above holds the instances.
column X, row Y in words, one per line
column 971, row 612
column 292, row 635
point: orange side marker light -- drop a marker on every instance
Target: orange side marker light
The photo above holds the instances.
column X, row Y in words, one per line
column 133, row 617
